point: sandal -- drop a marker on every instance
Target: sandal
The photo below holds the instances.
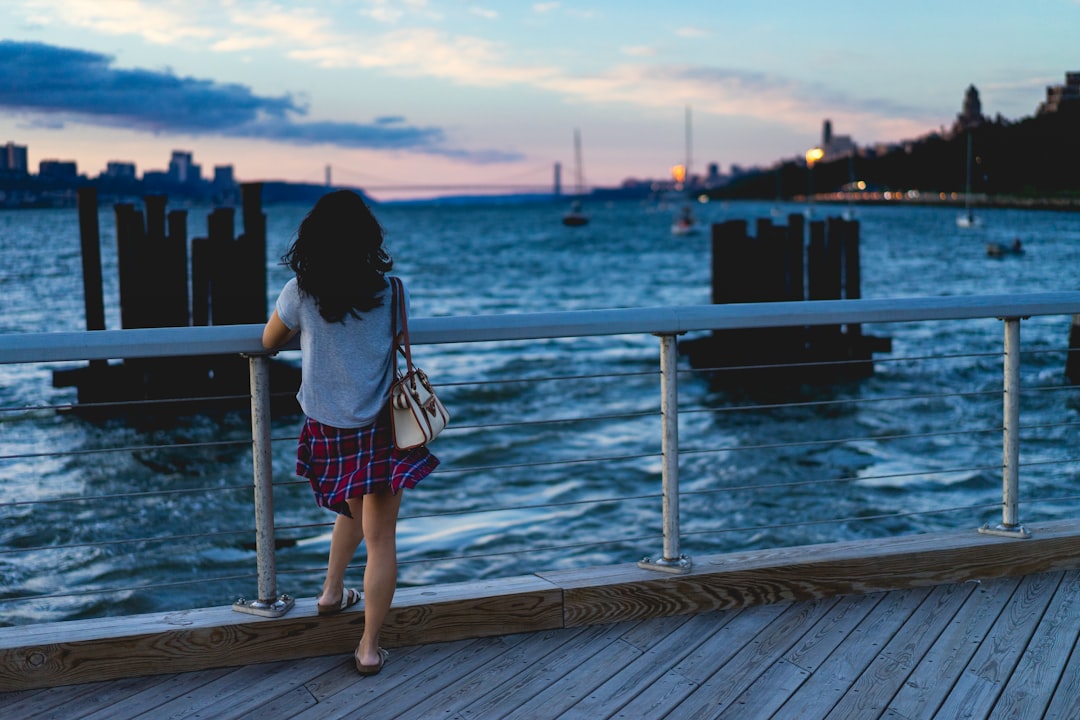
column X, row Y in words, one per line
column 371, row 669
column 349, row 597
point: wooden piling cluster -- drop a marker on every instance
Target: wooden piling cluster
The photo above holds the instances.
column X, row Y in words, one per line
column 224, row 284
column 818, row 260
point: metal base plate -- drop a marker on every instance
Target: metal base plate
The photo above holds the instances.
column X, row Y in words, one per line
column 1012, row 531
column 679, row 565
column 266, row 608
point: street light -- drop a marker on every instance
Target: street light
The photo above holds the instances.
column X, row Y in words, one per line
column 812, row 156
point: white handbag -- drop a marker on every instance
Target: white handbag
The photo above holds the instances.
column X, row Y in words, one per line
column 417, row 415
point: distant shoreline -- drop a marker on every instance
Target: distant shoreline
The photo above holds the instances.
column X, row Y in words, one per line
column 950, row 200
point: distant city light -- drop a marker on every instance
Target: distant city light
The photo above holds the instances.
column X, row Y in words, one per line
column 813, row 155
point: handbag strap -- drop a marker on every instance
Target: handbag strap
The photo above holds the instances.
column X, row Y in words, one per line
column 397, row 293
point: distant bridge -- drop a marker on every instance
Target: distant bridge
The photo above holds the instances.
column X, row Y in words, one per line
column 442, row 188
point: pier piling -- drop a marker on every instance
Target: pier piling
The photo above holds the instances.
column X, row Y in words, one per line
column 228, row 287
column 800, row 261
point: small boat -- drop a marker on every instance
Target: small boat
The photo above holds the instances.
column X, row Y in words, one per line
column 968, row 219
column 576, row 217
column 996, row 249
column 685, row 223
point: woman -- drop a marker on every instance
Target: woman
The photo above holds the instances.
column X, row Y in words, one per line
column 340, row 303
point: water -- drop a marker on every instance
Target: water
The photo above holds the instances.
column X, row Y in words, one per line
column 497, row 259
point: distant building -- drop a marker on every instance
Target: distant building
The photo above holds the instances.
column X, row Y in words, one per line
column 970, row 115
column 1058, row 95
column 119, row 170
column 58, row 169
column 13, row 160
column 835, row 146
column 714, row 178
column 182, row 169
column 223, row 176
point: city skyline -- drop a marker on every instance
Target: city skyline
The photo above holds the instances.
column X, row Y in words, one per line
column 450, row 93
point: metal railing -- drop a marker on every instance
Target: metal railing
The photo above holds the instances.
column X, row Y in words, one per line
column 666, row 323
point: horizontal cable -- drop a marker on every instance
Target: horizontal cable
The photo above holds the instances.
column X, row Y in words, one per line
column 841, row 401
column 826, row 521
column 127, row 496
column 830, row 481
column 548, row 378
column 839, row 363
column 543, row 463
column 130, row 588
column 132, row 448
column 557, row 421
column 126, row 541
column 838, row 441
column 482, row 556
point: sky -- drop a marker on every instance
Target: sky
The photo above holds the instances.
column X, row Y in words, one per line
column 423, row 97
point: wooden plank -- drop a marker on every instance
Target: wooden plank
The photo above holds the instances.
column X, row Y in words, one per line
column 978, row 687
column 85, row 651
column 238, row 692
column 403, row 663
column 815, row 647
column 662, row 643
column 721, row 689
column 79, row 652
column 564, row 693
column 871, row 693
column 499, row 666
column 455, row 675
column 1031, row 685
column 827, row 685
column 763, row 697
column 73, row 701
column 1066, row 699
column 505, row 698
column 152, row 696
column 937, row 671
column 341, row 691
column 627, row 592
column 680, row 680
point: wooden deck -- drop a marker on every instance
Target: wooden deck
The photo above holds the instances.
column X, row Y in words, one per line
column 757, row 635
column 997, row 648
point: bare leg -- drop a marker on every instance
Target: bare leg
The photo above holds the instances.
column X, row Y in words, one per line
column 380, row 513
column 346, row 537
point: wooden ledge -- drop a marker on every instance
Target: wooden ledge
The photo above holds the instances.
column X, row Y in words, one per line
column 81, row 651
column 626, row 592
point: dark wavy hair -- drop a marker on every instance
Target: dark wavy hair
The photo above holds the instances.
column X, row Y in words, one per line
column 338, row 256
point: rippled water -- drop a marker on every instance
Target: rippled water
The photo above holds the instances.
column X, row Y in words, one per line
column 497, row 259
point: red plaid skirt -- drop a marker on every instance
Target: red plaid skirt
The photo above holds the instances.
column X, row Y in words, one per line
column 345, row 463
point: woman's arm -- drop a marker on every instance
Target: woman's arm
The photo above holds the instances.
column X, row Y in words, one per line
column 276, row 333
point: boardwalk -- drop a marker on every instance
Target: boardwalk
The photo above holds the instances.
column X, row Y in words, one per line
column 1001, row 648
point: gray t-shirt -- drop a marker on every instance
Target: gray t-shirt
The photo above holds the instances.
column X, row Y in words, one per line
column 347, row 366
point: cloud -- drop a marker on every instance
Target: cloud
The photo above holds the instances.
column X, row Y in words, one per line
column 54, row 84
column 164, row 23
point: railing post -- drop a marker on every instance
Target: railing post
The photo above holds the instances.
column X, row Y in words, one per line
column 672, row 561
column 1010, row 515
column 268, row 604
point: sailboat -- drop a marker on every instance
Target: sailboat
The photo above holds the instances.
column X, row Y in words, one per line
column 968, row 219
column 576, row 217
column 685, row 224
